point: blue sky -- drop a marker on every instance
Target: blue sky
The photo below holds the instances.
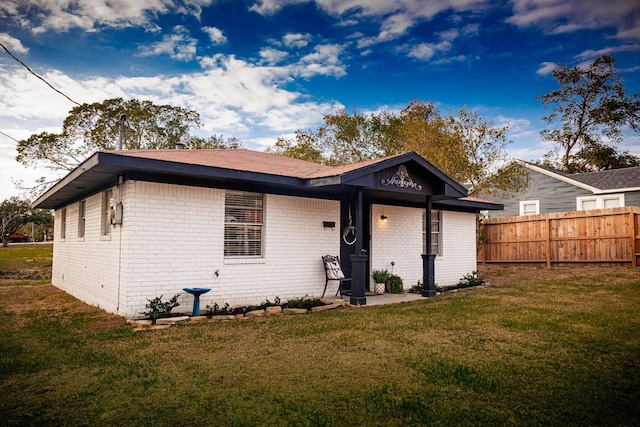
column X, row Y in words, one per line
column 262, row 69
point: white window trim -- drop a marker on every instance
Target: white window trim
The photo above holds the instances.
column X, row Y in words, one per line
column 439, row 232
column 82, row 218
column 105, row 215
column 599, row 200
column 241, row 258
column 523, row 203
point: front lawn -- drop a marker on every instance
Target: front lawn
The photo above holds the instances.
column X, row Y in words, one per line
column 534, row 347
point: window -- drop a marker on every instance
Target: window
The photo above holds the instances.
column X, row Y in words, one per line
column 82, row 205
column 529, row 207
column 107, row 199
column 599, row 202
column 243, row 224
column 63, row 223
column 436, row 232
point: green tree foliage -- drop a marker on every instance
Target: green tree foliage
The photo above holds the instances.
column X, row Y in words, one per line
column 465, row 146
column 94, row 127
column 14, row 213
column 589, row 112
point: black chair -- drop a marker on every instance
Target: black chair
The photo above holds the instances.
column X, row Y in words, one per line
column 333, row 271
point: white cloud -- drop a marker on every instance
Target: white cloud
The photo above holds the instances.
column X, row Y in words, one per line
column 178, row 45
column 592, row 54
column 563, row 16
column 272, row 56
column 396, row 17
column 296, row 40
column 215, row 35
column 62, row 15
column 13, row 44
column 424, row 51
column 324, row 60
column 546, row 68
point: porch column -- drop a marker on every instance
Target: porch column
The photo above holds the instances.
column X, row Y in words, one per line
column 428, row 259
column 359, row 259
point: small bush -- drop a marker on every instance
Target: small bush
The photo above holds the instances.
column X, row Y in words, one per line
column 417, row 288
column 158, row 309
column 380, row 276
column 216, row 310
column 305, row 302
column 470, row 280
column 395, row 284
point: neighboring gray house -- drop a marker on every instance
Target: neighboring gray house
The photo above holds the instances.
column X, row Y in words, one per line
column 550, row 190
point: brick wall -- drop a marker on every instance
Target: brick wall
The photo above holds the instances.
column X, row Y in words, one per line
column 174, row 239
column 399, row 239
column 87, row 267
column 458, row 248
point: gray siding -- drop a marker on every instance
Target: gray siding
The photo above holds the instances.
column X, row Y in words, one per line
column 554, row 196
column 632, row 198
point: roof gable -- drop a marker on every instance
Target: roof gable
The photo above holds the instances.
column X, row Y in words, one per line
column 602, row 182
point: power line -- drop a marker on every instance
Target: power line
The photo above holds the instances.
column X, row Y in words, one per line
column 9, row 136
column 35, row 74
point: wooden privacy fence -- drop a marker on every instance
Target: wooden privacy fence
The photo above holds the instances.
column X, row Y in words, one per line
column 599, row 236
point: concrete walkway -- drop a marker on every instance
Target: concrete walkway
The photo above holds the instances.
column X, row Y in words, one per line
column 388, row 298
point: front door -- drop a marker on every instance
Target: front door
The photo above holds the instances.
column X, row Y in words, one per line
column 348, row 235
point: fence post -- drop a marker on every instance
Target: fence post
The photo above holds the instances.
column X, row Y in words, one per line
column 548, row 221
column 632, row 219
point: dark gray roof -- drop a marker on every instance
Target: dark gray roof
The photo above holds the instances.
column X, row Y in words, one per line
column 601, row 180
column 610, row 179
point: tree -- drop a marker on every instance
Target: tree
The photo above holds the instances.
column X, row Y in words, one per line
column 466, row 147
column 94, row 127
column 14, row 213
column 590, row 110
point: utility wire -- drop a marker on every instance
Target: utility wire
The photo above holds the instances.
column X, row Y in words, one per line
column 9, row 136
column 35, row 74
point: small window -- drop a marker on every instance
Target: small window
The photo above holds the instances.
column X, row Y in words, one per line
column 107, row 200
column 529, row 207
column 599, row 202
column 82, row 205
column 436, row 232
column 243, row 224
column 63, row 223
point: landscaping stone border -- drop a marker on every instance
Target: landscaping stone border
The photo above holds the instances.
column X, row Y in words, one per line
column 164, row 323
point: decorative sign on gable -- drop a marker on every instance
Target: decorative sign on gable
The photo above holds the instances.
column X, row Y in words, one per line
column 402, row 179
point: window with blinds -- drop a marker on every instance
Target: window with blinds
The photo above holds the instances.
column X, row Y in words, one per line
column 243, row 224
column 436, row 235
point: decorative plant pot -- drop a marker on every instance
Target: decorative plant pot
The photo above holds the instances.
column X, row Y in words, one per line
column 379, row 288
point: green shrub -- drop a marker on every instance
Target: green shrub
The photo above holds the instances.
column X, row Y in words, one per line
column 417, row 288
column 305, row 302
column 395, row 284
column 380, row 276
column 216, row 310
column 470, row 280
column 158, row 309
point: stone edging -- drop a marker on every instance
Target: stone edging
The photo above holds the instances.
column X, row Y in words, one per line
column 164, row 323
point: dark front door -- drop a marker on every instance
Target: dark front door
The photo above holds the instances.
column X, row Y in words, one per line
column 348, row 235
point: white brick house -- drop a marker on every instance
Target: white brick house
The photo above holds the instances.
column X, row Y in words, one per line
column 133, row 225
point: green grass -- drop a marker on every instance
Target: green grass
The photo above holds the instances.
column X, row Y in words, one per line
column 535, row 348
column 26, row 264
